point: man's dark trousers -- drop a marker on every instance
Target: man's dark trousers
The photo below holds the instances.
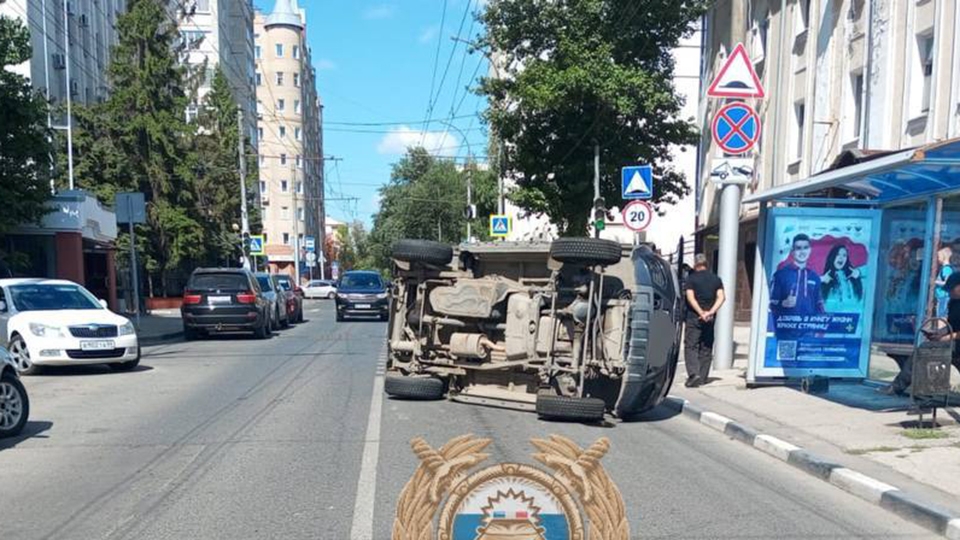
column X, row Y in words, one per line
column 698, row 348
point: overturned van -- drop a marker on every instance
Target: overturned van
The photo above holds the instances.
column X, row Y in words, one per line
column 573, row 329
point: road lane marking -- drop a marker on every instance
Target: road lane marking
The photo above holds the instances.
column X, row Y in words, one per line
column 362, row 528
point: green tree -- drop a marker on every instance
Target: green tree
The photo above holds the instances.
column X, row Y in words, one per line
column 576, row 74
column 217, row 174
column 24, row 147
column 139, row 140
column 426, row 198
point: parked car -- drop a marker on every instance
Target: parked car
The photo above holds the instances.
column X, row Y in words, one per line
column 320, row 288
column 294, row 297
column 54, row 322
column 225, row 299
column 572, row 329
column 278, row 299
column 14, row 403
column 362, row 292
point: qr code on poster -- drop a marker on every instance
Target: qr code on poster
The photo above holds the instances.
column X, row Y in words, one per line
column 786, row 350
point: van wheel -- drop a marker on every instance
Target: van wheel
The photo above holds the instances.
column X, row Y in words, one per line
column 422, row 388
column 573, row 409
column 586, row 251
column 423, row 251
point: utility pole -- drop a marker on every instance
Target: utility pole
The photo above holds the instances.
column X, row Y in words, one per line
column 469, row 203
column 244, row 217
column 46, row 92
column 501, row 204
column 598, row 203
column 296, row 230
column 66, row 47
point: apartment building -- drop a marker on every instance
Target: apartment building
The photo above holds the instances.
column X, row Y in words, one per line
column 71, row 43
column 291, row 148
column 219, row 33
column 843, row 78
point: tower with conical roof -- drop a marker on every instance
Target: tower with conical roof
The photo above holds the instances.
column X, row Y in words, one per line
column 291, row 153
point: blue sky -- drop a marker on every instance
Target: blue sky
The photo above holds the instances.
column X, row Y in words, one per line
column 375, row 61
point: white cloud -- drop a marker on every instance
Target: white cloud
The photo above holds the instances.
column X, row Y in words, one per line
column 382, row 11
column 325, row 64
column 403, row 137
column 429, row 34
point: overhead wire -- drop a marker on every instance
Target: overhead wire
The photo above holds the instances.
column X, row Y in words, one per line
column 436, row 62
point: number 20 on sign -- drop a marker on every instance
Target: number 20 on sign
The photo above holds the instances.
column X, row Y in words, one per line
column 637, row 216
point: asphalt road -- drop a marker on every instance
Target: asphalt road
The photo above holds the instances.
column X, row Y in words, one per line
column 236, row 438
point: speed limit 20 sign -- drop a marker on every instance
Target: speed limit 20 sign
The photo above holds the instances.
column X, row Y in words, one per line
column 637, row 216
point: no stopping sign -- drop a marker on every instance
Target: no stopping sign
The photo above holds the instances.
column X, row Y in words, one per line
column 637, row 216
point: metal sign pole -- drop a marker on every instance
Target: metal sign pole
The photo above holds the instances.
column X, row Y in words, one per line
column 133, row 261
column 727, row 266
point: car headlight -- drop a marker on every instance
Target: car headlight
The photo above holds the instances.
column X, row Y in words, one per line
column 383, row 296
column 127, row 329
column 46, row 330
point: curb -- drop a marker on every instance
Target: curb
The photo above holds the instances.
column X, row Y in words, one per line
column 930, row 516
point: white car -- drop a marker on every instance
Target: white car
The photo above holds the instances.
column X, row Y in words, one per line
column 52, row 322
column 320, row 288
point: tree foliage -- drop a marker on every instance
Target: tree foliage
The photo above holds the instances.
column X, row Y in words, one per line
column 426, row 198
column 576, row 74
column 24, row 146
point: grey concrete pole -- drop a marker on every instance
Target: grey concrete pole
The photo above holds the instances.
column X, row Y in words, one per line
column 244, row 216
column 727, row 266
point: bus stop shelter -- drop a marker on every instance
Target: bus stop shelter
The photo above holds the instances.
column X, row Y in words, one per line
column 848, row 262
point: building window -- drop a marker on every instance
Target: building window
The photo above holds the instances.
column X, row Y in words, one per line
column 298, row 134
column 296, row 52
column 300, row 188
column 259, row 79
column 259, row 134
column 263, row 187
column 203, row 6
column 281, row 104
column 256, row 51
column 799, row 113
column 279, row 50
column 279, row 78
column 286, row 237
column 925, row 48
column 284, row 186
column 803, row 15
column 283, row 131
column 856, row 91
column 283, row 159
column 296, row 80
column 300, row 214
column 296, row 106
column 192, row 39
column 192, row 111
column 299, row 162
column 285, row 214
column 260, row 160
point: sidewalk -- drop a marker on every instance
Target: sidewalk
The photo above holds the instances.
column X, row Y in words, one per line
column 159, row 326
column 851, row 425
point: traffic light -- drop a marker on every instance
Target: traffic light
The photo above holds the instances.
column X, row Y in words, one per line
column 599, row 214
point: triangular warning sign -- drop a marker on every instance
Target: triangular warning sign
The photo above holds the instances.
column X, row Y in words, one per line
column 637, row 184
column 737, row 78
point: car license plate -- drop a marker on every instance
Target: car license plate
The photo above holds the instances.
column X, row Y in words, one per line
column 219, row 299
column 363, row 306
column 98, row 345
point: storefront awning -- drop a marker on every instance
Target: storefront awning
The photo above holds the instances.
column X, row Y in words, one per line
column 898, row 176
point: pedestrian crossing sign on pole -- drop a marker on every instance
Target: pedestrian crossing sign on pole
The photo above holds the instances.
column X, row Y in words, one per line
column 500, row 225
column 637, row 182
column 256, row 244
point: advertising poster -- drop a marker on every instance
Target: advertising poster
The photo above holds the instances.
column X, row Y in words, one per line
column 821, row 272
column 900, row 276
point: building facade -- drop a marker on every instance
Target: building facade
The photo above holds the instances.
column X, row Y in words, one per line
column 841, row 77
column 289, row 131
column 219, row 33
column 71, row 43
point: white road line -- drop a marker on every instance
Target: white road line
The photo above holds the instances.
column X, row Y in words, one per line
column 362, row 528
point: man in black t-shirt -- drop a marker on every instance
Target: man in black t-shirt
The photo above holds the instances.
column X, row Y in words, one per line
column 704, row 293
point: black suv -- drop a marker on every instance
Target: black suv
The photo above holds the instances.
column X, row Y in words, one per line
column 224, row 299
column 362, row 292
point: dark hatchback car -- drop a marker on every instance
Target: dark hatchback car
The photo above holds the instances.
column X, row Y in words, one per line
column 362, row 292
column 224, row 299
column 294, row 298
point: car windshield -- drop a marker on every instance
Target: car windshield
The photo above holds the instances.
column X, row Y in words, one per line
column 361, row 281
column 219, row 282
column 41, row 297
column 265, row 283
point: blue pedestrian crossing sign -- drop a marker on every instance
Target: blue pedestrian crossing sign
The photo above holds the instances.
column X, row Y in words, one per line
column 500, row 225
column 256, row 244
column 637, row 182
